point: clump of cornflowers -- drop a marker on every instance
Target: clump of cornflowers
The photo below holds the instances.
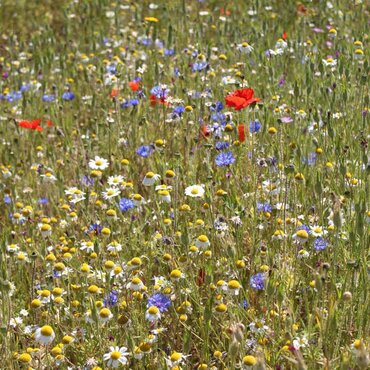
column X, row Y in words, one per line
column 224, row 159
column 258, row 281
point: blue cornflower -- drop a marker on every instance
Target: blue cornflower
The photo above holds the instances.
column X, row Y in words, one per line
column 245, row 304
column 264, row 207
column 7, row 199
column 176, row 72
column 216, row 107
column 87, row 180
column 112, row 299
column 160, row 92
column 224, row 159
column 96, row 228
column 180, row 109
column 48, row 98
column 43, row 201
column 254, row 126
column 320, row 244
column 310, row 159
column 25, row 87
column 258, row 281
column 169, row 52
column 219, row 117
column 134, row 102
column 13, row 96
column 146, row 41
column 126, row 204
column 144, row 151
column 159, row 300
column 199, row 66
column 222, row 145
column 111, row 69
column 68, row 96
column 304, row 227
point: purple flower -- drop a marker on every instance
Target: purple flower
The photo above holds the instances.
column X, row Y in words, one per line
column 43, row 201
column 286, row 119
column 126, row 204
column 159, row 300
column 264, row 207
column 222, row 145
column 68, row 96
column 199, row 66
column 48, row 98
column 258, row 281
column 112, row 299
column 144, row 151
column 97, row 228
column 320, row 244
column 224, row 159
column 254, row 126
column 160, row 92
column 304, row 227
column 310, row 159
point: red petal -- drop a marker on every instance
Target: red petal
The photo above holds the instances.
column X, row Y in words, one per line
column 134, row 85
column 241, row 132
column 244, row 93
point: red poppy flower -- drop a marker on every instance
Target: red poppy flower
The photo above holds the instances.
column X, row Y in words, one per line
column 240, row 99
column 134, row 85
column 33, row 125
column 285, row 35
column 114, row 93
column 241, row 132
column 203, row 132
column 154, row 100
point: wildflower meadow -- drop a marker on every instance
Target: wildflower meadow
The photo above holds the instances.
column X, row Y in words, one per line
column 184, row 184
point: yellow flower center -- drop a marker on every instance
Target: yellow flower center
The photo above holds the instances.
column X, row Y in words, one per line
column 115, row 355
column 153, row 310
column 47, row 331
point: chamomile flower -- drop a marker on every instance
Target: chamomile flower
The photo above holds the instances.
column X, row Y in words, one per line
column 44, row 335
column 300, row 342
column 135, row 284
column 195, row 191
column 329, row 62
column 318, row 231
column 115, row 180
column 111, row 193
column 98, row 163
column 105, row 314
column 202, row 242
column 175, row 359
column 153, row 314
column 244, row 47
column 150, row 179
column 117, row 356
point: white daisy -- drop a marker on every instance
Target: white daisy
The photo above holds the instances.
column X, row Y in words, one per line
column 98, row 163
column 111, row 193
column 115, row 180
column 195, row 191
column 44, row 335
column 116, row 356
column 150, row 178
column 153, row 314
